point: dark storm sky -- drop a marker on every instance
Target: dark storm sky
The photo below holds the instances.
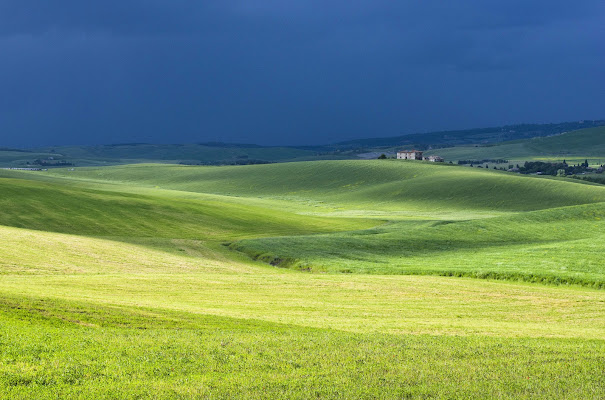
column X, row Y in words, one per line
column 292, row 71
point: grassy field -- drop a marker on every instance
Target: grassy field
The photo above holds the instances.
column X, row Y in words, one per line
column 356, row 186
column 126, row 282
column 562, row 245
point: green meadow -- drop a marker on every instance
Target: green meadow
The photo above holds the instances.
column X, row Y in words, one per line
column 323, row 279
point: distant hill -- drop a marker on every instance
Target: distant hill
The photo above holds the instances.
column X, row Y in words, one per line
column 581, row 143
column 217, row 153
column 471, row 136
column 190, row 154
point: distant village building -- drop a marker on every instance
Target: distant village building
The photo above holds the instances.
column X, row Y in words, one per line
column 434, row 159
column 409, row 155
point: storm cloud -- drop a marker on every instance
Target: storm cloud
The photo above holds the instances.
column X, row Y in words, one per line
column 292, row 72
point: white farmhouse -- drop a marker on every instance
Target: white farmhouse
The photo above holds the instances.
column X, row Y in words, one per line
column 409, row 155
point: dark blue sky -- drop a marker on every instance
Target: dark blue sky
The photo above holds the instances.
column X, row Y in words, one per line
column 292, row 71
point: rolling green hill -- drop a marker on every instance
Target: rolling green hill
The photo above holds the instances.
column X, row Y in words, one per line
column 319, row 279
column 341, row 186
column 58, row 207
column 426, row 198
column 561, row 245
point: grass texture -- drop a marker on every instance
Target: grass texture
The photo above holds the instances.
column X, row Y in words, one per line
column 123, row 282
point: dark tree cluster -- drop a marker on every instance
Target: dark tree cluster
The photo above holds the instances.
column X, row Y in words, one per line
column 53, row 163
column 17, row 150
column 486, row 161
column 533, row 167
column 249, row 162
column 242, row 161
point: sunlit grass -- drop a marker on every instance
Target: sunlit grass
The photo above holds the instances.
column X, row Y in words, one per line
column 561, row 245
column 122, row 282
column 74, row 350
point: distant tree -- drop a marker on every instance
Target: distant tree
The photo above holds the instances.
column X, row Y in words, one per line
column 561, row 172
column 553, row 169
column 382, row 156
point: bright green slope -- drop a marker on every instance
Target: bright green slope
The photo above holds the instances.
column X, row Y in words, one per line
column 389, row 185
column 561, row 245
column 571, row 145
column 80, row 350
column 196, row 279
column 557, row 242
column 91, row 318
column 70, row 209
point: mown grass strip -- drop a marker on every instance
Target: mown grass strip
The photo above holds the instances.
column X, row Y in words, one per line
column 145, row 354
